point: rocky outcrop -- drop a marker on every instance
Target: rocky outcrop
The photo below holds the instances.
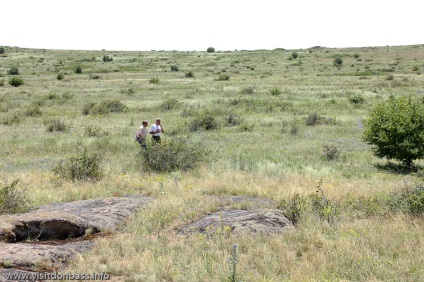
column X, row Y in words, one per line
column 69, row 220
column 27, row 240
column 257, row 221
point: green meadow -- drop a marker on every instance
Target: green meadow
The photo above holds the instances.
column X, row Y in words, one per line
column 285, row 125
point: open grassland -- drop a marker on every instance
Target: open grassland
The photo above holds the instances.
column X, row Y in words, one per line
column 276, row 113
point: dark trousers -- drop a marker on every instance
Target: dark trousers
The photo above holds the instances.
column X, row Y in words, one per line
column 156, row 138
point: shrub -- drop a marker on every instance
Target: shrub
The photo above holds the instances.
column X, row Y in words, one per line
column 313, row 119
column 338, row 61
column 223, row 77
column 357, row 99
column 108, row 106
column 173, row 154
column 106, row 58
column 13, row 71
column 205, row 120
column 174, row 68
column 247, row 90
column 275, row 91
column 170, row 104
column 13, row 199
column 233, row 120
column 330, row 152
column 14, row 118
column 82, row 167
column 210, row 50
column 16, row 81
column 409, row 200
column 154, row 80
column 396, row 129
column 33, row 111
column 55, row 125
column 60, row 76
column 87, row 108
column 78, row 70
column 189, row 74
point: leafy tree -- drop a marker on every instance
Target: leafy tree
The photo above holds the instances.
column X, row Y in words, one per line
column 396, row 129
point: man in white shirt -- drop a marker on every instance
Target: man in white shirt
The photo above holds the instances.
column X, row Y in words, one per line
column 155, row 130
column 142, row 134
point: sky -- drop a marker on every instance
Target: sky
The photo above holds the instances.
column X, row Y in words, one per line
column 187, row 25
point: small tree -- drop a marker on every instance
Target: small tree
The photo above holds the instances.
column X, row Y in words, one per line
column 210, row 50
column 396, row 129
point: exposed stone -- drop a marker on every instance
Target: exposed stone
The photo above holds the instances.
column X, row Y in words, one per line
column 69, row 220
column 258, row 221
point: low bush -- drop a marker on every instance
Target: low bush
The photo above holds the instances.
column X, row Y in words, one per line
column 78, row 70
column 13, row 71
column 205, row 120
column 12, row 198
column 170, row 104
column 357, row 99
column 189, row 74
column 108, row 106
column 223, row 77
column 55, row 125
column 154, row 80
column 84, row 166
column 275, row 91
column 173, row 154
column 16, row 81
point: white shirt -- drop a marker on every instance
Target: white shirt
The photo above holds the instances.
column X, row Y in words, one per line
column 155, row 127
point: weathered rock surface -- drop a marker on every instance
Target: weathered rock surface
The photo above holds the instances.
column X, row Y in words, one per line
column 59, row 221
column 257, row 221
column 69, row 220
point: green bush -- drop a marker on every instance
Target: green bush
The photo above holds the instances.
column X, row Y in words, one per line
column 55, row 125
column 173, row 154
column 275, row 91
column 357, row 99
column 189, row 74
column 408, row 200
column 108, row 106
column 78, row 70
column 60, row 76
column 210, row 50
column 223, row 77
column 205, row 120
column 16, row 81
column 13, row 199
column 338, row 61
column 395, row 128
column 170, row 104
column 84, row 166
column 154, row 80
column 13, row 71
column 106, row 58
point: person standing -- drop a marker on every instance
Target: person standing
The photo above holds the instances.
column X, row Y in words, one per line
column 156, row 130
column 141, row 136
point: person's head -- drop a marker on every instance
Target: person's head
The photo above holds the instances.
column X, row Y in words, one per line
column 145, row 123
column 157, row 121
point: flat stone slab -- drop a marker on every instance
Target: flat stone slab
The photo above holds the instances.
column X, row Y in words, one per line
column 70, row 220
column 26, row 245
column 257, row 221
column 40, row 257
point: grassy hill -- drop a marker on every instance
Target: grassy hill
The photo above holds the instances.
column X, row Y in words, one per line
column 287, row 127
